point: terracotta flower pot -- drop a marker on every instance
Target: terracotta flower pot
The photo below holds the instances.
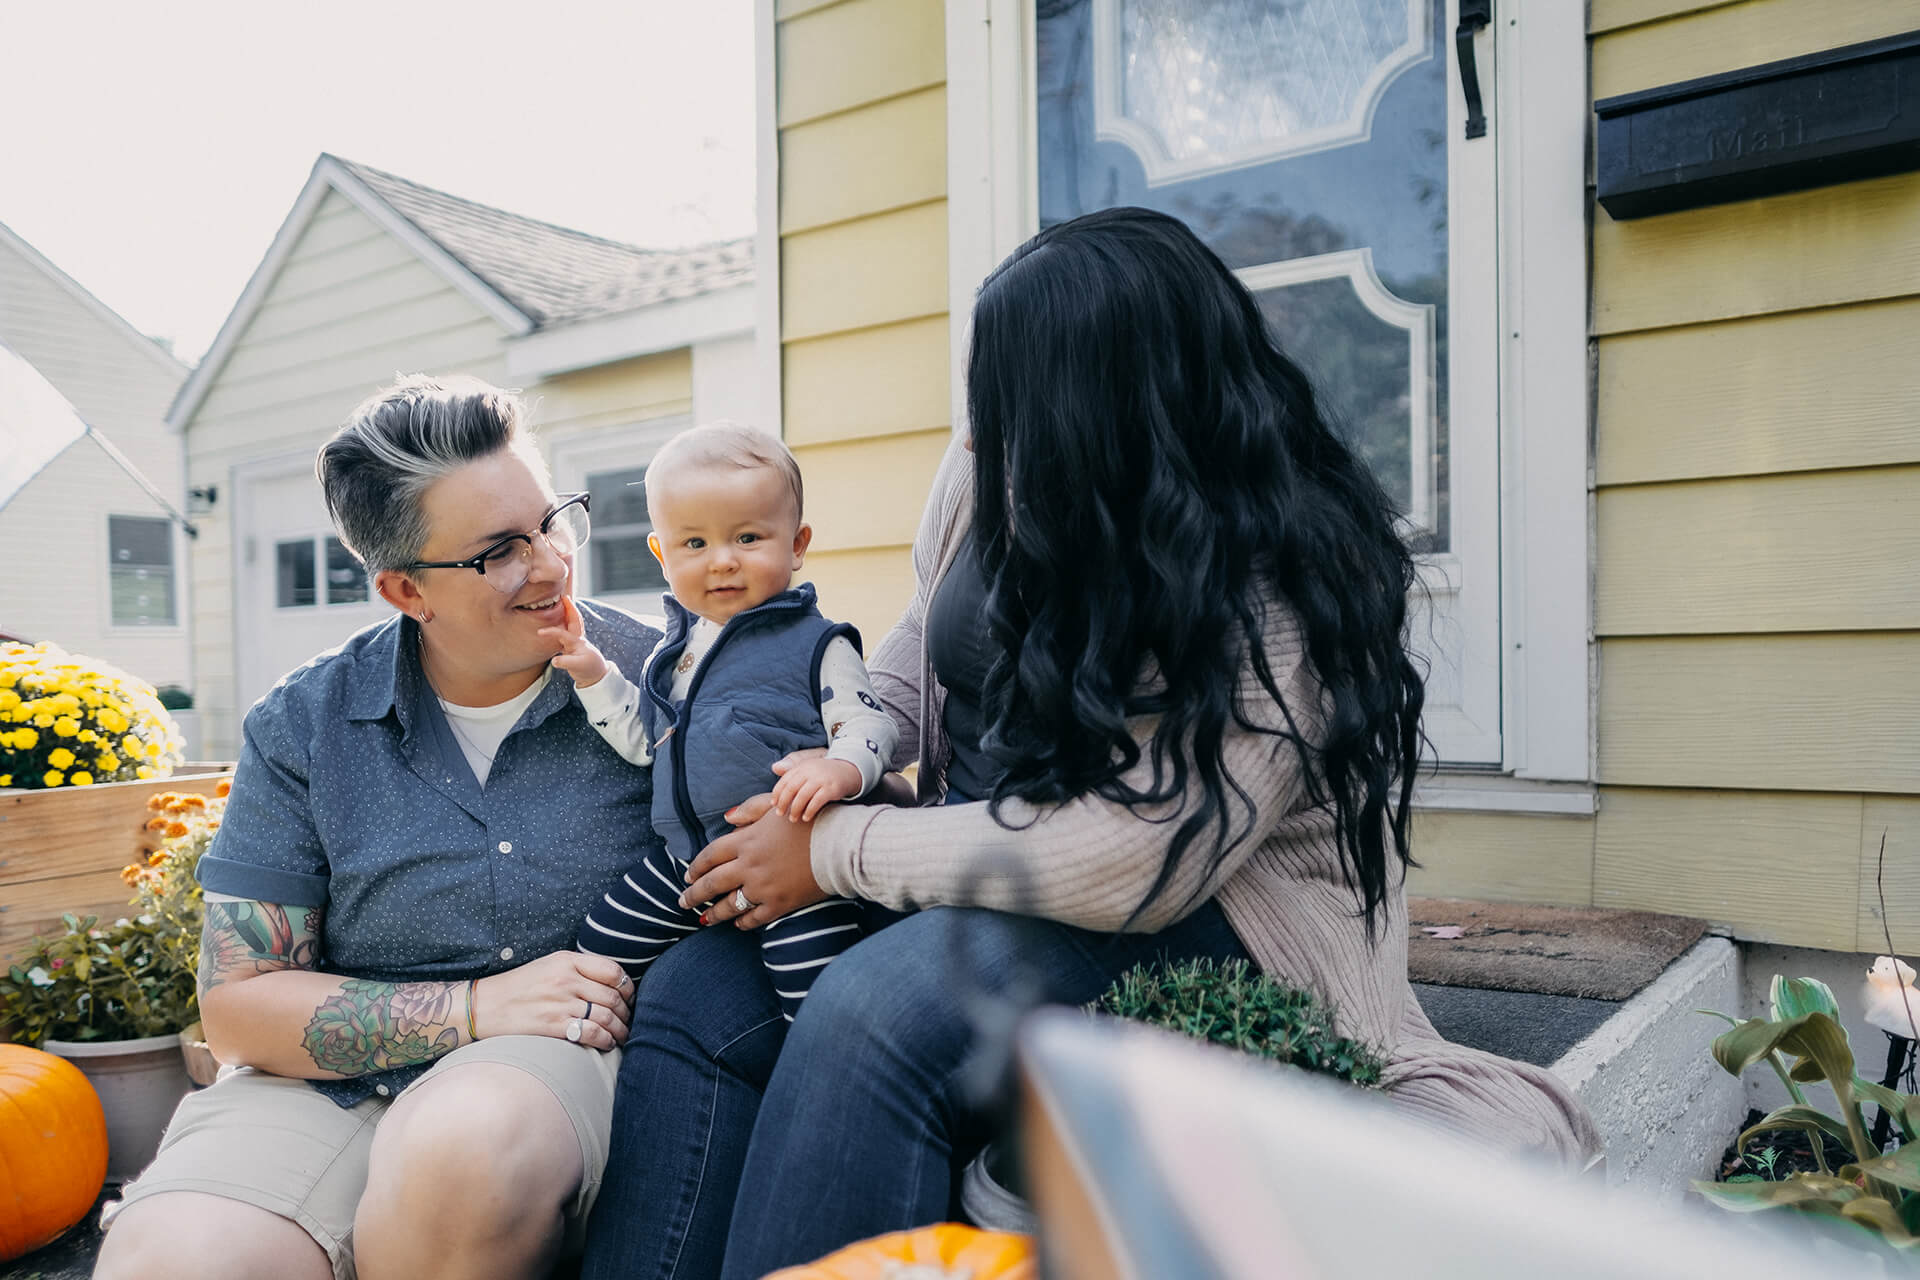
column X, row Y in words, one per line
column 140, row 1082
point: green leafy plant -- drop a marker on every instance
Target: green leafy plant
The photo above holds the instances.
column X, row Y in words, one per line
column 1803, row 1043
column 136, row 976
column 1234, row 1005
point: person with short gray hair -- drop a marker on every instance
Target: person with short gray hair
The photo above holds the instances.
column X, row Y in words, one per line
column 418, row 821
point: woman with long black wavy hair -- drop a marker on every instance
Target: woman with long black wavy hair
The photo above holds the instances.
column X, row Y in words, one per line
column 1155, row 671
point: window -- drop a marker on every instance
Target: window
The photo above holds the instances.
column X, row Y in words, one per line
column 140, row 571
column 622, row 561
column 296, row 581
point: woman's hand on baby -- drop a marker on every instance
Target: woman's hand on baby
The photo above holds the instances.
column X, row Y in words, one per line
column 544, row 996
column 578, row 656
column 808, row 786
column 768, row 857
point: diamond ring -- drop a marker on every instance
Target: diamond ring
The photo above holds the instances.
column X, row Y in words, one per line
column 741, row 902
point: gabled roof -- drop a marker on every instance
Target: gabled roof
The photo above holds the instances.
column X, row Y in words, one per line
column 526, row 274
column 552, row 274
column 137, row 340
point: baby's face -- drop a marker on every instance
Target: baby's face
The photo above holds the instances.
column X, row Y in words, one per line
column 729, row 539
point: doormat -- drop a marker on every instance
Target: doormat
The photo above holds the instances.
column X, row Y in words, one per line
column 1555, row 951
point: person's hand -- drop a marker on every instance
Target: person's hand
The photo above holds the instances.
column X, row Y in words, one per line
column 808, row 786
column 541, row 997
column 767, row 856
column 578, row 656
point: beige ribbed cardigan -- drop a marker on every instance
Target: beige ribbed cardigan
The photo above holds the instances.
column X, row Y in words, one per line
column 1090, row 863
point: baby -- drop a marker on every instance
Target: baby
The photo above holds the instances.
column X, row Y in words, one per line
column 748, row 672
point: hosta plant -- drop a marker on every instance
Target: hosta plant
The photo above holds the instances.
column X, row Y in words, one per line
column 1803, row 1043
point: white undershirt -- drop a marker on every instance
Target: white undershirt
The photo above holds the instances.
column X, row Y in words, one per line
column 481, row 730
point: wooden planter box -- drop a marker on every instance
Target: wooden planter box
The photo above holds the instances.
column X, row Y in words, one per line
column 62, row 849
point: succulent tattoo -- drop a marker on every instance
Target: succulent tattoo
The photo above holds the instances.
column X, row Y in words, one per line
column 375, row 1026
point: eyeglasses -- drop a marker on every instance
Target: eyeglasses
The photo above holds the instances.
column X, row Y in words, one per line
column 506, row 563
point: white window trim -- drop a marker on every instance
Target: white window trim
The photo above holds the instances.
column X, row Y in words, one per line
column 1546, row 565
column 177, row 547
column 575, row 455
column 766, row 243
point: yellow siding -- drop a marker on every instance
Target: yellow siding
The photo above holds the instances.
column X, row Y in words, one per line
column 1785, row 712
column 1608, row 15
column 1829, row 388
column 1897, row 875
column 1819, row 248
column 875, row 270
column 1826, row 551
column 1503, row 857
column 612, row 395
column 869, row 382
column 861, row 104
column 1756, row 523
column 897, row 165
column 1727, row 37
column 842, row 56
column 1773, row 868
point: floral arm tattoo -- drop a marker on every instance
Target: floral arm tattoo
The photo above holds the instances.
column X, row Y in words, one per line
column 365, row 1026
column 243, row 939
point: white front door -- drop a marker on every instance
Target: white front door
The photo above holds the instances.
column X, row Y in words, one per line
column 1321, row 148
column 297, row 590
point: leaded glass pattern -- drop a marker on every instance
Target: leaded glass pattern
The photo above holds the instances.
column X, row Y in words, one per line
column 1213, row 79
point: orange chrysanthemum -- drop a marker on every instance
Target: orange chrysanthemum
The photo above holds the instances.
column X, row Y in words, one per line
column 176, row 829
column 222, row 787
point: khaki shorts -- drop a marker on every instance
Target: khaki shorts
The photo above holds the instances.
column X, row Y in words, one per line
column 279, row 1145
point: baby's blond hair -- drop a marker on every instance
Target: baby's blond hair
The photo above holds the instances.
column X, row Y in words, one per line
column 723, row 444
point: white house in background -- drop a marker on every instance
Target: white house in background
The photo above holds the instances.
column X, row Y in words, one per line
column 615, row 346
column 90, row 557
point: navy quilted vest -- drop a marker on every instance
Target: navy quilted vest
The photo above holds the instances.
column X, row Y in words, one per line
column 754, row 698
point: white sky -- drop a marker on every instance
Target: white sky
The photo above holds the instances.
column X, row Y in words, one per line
column 151, row 151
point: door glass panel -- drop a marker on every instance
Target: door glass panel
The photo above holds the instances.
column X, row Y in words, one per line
column 1305, row 142
column 346, row 576
column 293, row 576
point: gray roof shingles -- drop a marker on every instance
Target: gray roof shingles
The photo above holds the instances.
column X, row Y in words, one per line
column 550, row 274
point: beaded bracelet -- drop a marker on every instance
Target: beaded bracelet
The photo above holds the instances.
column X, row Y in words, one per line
column 472, row 985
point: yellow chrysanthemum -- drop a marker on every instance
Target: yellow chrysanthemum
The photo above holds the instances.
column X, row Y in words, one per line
column 53, row 778
column 106, row 762
column 65, row 701
column 66, row 727
column 143, row 772
column 132, row 746
column 112, row 720
column 88, row 735
column 60, row 758
column 6, row 779
column 82, row 779
column 8, row 699
column 25, row 739
column 44, row 720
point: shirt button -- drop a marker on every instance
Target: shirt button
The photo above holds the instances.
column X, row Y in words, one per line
column 506, row 846
column 382, row 1090
column 506, row 953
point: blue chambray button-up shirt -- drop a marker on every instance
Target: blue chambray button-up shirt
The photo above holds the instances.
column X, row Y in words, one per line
column 353, row 795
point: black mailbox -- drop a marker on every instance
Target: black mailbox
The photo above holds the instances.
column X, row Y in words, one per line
column 1804, row 122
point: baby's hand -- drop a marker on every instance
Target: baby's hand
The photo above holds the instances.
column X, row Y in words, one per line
column 811, row 785
column 578, row 656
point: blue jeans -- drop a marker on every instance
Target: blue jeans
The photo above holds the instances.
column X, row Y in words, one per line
column 742, row 1143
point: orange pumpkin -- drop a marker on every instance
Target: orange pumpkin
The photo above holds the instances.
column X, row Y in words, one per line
column 947, row 1251
column 53, row 1148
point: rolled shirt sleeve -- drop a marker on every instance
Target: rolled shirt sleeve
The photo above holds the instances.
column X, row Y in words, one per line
column 267, row 849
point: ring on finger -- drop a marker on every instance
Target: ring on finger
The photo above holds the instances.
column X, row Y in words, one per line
column 588, row 1015
column 573, row 1030
column 741, row 902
